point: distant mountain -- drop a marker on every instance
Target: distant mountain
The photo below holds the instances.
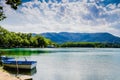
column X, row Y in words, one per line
column 81, row 37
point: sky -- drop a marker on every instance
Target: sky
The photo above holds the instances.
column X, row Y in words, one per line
column 83, row 16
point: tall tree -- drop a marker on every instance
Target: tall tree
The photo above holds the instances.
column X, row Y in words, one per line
column 13, row 4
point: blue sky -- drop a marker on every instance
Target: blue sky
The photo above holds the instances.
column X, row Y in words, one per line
column 87, row 16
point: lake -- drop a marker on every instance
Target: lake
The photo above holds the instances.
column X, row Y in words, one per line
column 70, row 63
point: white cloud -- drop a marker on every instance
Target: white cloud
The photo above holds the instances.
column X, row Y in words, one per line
column 68, row 16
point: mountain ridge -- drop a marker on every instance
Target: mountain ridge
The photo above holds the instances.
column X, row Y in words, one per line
column 63, row 37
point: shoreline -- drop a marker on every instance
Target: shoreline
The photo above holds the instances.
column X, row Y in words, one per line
column 4, row 75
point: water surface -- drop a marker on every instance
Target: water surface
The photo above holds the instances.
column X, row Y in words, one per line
column 71, row 63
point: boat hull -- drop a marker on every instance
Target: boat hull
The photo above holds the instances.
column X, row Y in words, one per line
column 19, row 66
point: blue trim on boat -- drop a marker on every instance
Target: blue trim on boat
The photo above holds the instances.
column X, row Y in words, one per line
column 20, row 62
column 4, row 58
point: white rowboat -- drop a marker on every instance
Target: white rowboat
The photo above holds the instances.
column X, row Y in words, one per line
column 20, row 64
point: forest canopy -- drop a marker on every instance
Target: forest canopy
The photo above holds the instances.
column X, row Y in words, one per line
column 91, row 44
column 13, row 40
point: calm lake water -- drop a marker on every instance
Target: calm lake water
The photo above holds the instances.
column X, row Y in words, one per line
column 70, row 63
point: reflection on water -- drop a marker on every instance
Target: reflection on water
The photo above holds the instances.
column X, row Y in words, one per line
column 21, row 71
column 72, row 63
column 22, row 52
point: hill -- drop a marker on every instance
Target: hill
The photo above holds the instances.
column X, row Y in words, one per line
column 63, row 37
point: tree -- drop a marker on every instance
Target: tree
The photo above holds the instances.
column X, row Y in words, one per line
column 13, row 4
column 2, row 15
column 12, row 40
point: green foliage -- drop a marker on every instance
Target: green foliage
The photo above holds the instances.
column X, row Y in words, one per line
column 2, row 15
column 14, row 5
column 91, row 44
column 12, row 40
